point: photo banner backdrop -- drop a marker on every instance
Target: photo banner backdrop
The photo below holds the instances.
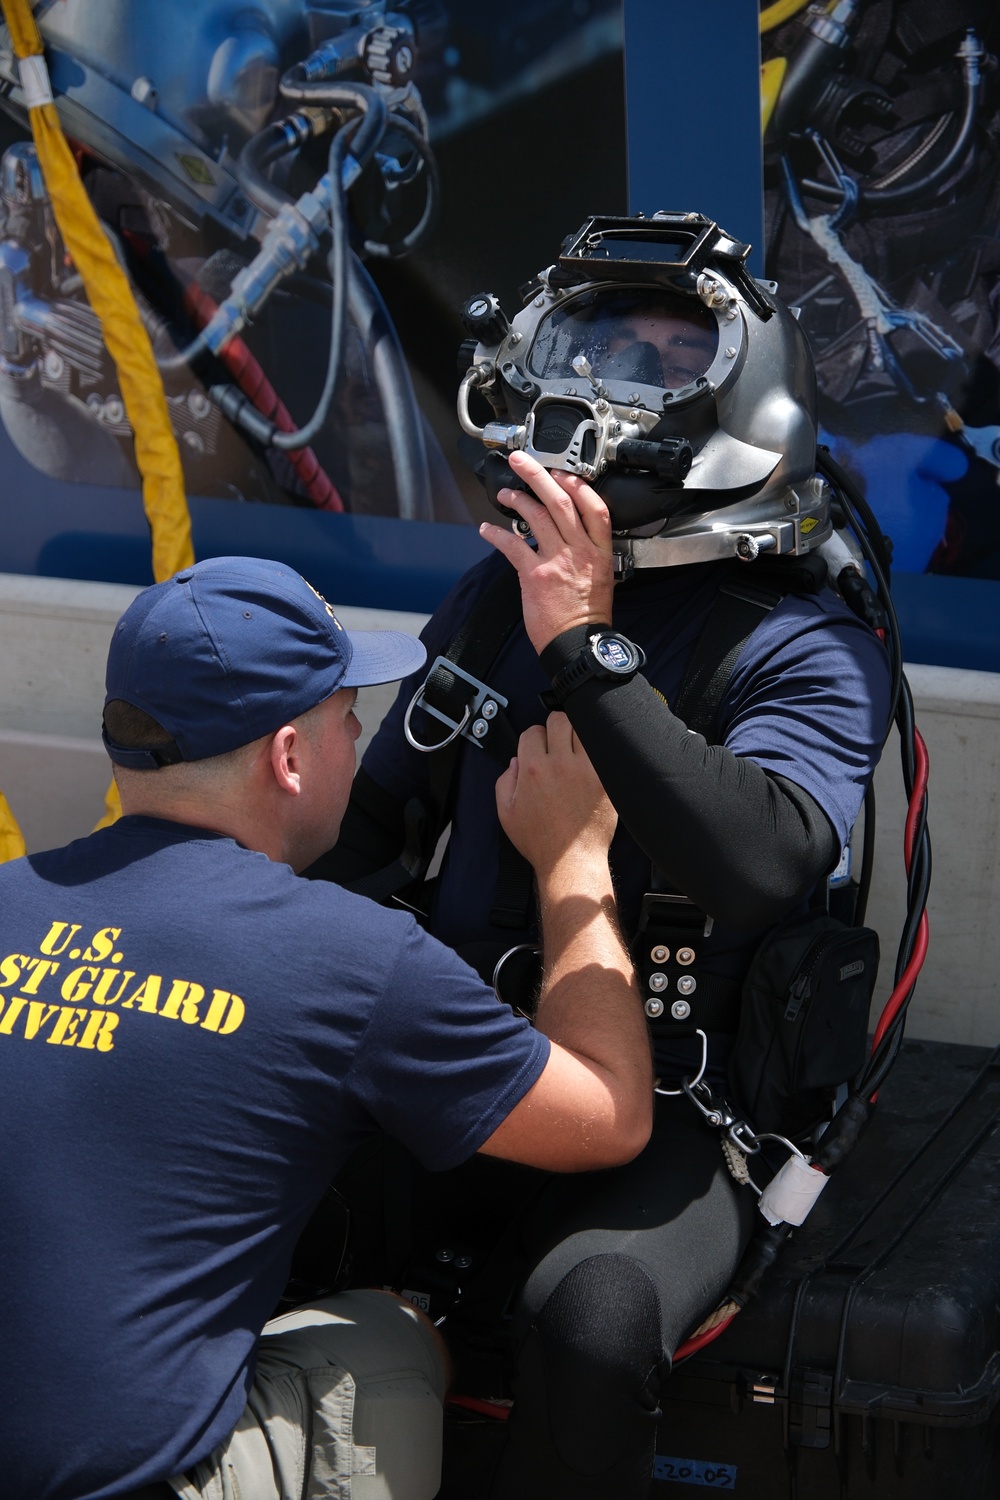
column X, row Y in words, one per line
column 202, row 133
column 873, row 205
column 881, row 186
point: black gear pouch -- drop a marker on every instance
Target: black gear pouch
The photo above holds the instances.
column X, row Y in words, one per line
column 803, row 1021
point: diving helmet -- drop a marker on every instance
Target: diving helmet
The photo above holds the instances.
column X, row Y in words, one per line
column 649, row 361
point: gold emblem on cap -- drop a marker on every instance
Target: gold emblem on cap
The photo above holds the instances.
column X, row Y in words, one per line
column 328, row 607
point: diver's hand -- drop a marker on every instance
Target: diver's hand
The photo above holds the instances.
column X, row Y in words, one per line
column 570, row 579
column 553, row 808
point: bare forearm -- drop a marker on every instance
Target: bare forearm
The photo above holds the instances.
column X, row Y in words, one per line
column 592, row 1105
column 590, row 1003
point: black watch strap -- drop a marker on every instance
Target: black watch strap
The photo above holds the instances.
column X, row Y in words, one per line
column 606, row 654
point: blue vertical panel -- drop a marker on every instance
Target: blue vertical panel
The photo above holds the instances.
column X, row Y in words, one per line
column 692, row 85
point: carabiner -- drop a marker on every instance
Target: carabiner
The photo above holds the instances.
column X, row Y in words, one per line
column 689, row 1083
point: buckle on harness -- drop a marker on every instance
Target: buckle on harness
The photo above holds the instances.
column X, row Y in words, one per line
column 474, row 725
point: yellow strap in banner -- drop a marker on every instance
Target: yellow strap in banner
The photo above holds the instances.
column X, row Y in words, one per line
column 779, row 12
column 11, row 838
column 772, row 76
column 112, row 808
column 127, row 341
column 110, row 296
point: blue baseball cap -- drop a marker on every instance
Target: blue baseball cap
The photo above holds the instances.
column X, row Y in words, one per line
column 232, row 648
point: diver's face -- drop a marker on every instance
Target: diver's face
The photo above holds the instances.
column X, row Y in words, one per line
column 685, row 348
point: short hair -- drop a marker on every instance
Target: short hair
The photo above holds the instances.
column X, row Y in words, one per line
column 134, row 729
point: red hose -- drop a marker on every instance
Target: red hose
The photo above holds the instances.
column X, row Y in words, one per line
column 692, row 1345
column 483, row 1408
column 901, row 991
column 254, row 384
column 908, row 978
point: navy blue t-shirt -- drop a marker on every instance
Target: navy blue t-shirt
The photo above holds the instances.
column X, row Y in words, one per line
column 807, row 700
column 192, row 1041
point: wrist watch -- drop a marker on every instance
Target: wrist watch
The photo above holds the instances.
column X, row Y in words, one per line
column 607, row 654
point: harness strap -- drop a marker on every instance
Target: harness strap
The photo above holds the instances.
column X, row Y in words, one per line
column 483, row 633
column 738, row 609
column 381, row 884
column 475, row 648
column 514, row 897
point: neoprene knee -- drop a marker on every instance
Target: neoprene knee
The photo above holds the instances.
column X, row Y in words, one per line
column 586, row 1390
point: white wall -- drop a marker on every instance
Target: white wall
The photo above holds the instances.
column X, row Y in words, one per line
column 54, row 637
column 54, row 773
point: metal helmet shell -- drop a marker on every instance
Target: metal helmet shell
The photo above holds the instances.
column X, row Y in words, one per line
column 649, row 361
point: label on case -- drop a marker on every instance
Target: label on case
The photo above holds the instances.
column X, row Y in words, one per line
column 419, row 1300
column 693, row 1471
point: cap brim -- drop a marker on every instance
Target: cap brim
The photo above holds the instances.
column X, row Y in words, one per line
column 382, row 656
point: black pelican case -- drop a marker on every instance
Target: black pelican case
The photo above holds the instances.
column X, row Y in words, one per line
column 869, row 1366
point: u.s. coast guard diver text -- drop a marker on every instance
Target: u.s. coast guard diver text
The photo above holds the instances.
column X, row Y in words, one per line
column 64, row 995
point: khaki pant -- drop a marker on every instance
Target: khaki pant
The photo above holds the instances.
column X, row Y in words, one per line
column 346, row 1405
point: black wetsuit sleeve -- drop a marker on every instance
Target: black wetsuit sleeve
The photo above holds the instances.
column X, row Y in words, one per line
column 744, row 844
column 372, row 835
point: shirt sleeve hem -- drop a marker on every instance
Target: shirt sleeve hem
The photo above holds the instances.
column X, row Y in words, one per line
column 481, row 1130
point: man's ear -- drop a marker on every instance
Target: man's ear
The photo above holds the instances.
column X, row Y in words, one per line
column 284, row 759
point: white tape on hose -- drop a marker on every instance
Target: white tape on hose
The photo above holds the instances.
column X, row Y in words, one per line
column 35, row 81
column 789, row 1197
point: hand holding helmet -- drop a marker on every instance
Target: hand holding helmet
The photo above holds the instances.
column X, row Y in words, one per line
column 569, row 578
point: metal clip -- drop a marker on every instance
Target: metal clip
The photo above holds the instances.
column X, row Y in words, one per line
column 716, row 1111
column 477, row 713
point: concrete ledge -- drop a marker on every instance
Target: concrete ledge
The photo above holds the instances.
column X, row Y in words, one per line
column 55, row 635
column 55, row 785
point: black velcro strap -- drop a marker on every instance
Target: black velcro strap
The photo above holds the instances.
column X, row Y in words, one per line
column 514, row 899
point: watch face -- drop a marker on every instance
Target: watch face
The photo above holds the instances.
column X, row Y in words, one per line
column 615, row 654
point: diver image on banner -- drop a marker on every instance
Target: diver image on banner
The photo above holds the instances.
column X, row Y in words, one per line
column 882, row 205
column 260, row 173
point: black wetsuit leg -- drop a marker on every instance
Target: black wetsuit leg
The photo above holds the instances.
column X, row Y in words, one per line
column 629, row 1261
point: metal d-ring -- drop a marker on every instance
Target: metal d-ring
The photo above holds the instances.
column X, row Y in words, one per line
column 485, row 701
column 438, row 744
column 498, row 968
column 690, row 1083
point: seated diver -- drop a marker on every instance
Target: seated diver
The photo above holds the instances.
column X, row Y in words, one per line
column 635, row 490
